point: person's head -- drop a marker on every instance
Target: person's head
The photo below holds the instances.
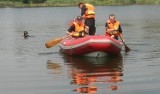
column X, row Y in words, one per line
column 79, row 19
column 80, row 5
column 112, row 18
column 26, row 34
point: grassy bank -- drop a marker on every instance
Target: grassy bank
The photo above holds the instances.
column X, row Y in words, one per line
column 48, row 3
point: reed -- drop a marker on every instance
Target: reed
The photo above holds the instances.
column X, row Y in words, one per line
column 107, row 2
column 48, row 3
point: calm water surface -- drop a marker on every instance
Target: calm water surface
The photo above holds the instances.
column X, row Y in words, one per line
column 27, row 67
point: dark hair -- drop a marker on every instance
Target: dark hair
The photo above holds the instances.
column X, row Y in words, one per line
column 111, row 15
column 79, row 18
column 80, row 4
column 26, row 34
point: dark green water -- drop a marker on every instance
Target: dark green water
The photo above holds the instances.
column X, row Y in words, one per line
column 27, row 67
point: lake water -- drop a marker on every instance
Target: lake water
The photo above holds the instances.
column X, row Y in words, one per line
column 27, row 67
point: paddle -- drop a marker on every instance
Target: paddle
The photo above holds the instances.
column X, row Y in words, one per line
column 127, row 49
column 54, row 42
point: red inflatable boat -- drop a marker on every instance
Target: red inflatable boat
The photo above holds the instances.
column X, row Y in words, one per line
column 95, row 46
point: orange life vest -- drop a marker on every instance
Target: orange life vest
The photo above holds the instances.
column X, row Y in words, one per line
column 90, row 12
column 114, row 26
column 78, row 30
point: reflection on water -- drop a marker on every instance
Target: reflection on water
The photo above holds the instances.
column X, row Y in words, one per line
column 23, row 61
column 87, row 73
column 54, row 66
column 51, row 65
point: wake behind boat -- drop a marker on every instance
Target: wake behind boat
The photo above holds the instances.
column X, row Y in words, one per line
column 94, row 46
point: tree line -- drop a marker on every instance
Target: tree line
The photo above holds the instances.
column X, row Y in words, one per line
column 37, row 3
column 25, row 1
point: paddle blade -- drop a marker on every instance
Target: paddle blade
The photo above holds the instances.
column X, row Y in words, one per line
column 52, row 43
column 127, row 49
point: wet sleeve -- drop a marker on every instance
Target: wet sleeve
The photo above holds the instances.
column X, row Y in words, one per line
column 120, row 29
column 83, row 10
column 106, row 26
column 72, row 28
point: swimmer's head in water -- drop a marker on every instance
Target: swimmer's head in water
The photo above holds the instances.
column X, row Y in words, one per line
column 26, row 34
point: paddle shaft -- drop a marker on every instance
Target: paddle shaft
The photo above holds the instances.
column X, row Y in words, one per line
column 127, row 49
column 54, row 42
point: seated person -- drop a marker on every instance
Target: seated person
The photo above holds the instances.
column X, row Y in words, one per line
column 78, row 29
column 113, row 28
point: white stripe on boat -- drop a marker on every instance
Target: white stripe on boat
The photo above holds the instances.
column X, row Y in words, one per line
column 90, row 41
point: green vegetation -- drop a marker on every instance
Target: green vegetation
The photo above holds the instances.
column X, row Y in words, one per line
column 45, row 3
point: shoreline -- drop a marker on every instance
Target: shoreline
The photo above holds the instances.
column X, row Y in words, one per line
column 32, row 5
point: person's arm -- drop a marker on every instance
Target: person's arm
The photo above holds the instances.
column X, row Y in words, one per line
column 120, row 33
column 70, row 30
column 109, row 31
column 83, row 9
column 120, row 29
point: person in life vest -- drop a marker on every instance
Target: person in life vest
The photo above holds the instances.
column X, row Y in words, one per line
column 25, row 34
column 78, row 29
column 113, row 28
column 88, row 13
